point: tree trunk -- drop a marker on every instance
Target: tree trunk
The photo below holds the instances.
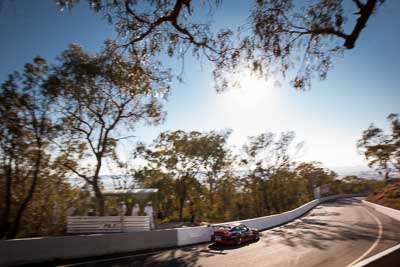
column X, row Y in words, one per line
column 17, row 221
column 387, row 177
column 129, row 207
column 211, row 193
column 97, row 192
column 4, row 221
column 181, row 204
column 181, row 192
column 100, row 205
column 265, row 197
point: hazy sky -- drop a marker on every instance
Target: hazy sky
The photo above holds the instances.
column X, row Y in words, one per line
column 362, row 87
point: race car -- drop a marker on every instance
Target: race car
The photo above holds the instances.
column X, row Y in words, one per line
column 233, row 234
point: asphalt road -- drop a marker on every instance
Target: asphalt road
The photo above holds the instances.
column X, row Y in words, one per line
column 338, row 233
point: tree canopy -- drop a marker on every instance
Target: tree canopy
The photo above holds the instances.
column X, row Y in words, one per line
column 189, row 159
column 65, row 120
column 27, row 134
column 380, row 149
column 99, row 98
column 280, row 37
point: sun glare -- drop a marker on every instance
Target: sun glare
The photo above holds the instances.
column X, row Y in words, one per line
column 251, row 90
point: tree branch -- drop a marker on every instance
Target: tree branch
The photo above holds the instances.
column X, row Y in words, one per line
column 358, row 4
column 172, row 17
column 130, row 11
column 365, row 12
column 77, row 173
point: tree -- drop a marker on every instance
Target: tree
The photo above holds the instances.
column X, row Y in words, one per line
column 100, row 97
column 281, row 31
column 216, row 158
column 287, row 33
column 27, row 130
column 189, row 158
column 155, row 178
column 382, row 151
column 227, row 198
column 314, row 175
column 265, row 156
column 353, row 184
column 55, row 198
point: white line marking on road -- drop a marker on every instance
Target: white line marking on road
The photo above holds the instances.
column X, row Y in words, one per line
column 376, row 241
column 112, row 259
column 120, row 258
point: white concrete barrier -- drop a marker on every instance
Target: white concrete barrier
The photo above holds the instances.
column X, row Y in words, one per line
column 45, row 249
column 334, row 197
column 193, row 235
column 270, row 221
column 395, row 214
column 33, row 250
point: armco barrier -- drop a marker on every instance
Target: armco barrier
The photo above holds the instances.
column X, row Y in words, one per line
column 20, row 251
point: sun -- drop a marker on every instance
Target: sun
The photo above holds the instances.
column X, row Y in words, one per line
column 250, row 90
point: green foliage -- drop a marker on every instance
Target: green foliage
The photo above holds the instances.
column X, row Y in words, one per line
column 99, row 98
column 280, row 35
column 27, row 156
column 96, row 98
column 188, row 160
column 54, row 200
column 382, row 151
column 54, row 118
column 263, row 180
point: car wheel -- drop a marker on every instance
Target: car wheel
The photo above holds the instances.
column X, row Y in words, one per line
column 257, row 236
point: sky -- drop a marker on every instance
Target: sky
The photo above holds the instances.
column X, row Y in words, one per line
column 362, row 87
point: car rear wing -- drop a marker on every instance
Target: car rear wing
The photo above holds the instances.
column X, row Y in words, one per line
column 222, row 226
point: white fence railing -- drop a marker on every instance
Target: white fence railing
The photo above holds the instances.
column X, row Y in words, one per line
column 107, row 224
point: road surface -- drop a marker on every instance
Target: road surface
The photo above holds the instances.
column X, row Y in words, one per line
column 338, row 233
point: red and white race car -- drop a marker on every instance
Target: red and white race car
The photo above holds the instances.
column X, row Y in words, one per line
column 233, row 234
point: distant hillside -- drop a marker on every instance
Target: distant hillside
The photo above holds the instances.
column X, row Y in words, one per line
column 362, row 174
column 360, row 171
column 108, row 181
column 388, row 196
